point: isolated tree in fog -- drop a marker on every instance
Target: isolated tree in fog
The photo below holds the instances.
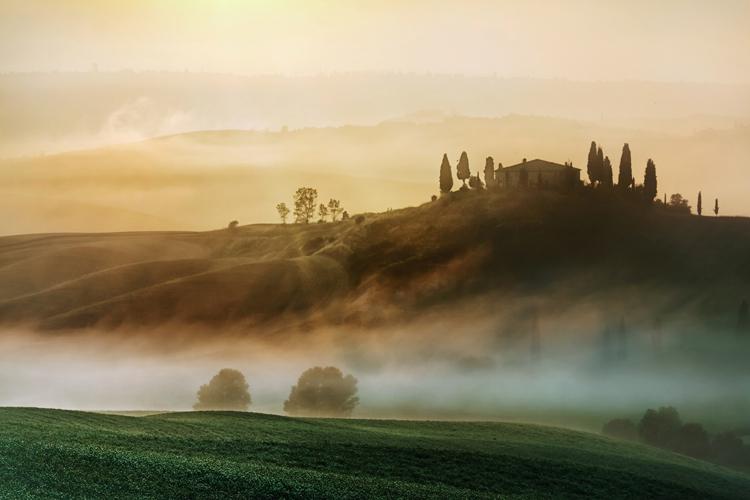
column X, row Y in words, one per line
column 462, row 169
column 625, row 175
column 742, row 317
column 489, row 172
column 606, row 179
column 334, row 207
column 716, row 207
column 591, row 169
column 649, row 181
column 446, row 175
column 304, row 204
column 323, row 212
column 699, row 207
column 323, row 392
column 660, row 428
column 227, row 390
column 283, row 211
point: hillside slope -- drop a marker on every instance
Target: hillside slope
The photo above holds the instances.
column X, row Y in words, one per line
column 561, row 248
column 54, row 453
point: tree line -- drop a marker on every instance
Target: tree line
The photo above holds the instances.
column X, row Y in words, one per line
column 319, row 392
column 305, row 205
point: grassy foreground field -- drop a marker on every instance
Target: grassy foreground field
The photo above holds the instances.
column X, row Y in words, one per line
column 64, row 454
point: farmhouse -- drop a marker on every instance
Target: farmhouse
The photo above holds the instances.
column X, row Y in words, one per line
column 538, row 173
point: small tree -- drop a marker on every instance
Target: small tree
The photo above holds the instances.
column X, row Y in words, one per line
column 323, row 392
column 699, row 207
column 323, row 212
column 232, row 227
column 591, row 169
column 475, row 182
column 283, row 212
column 649, row 181
column 626, row 170
column 446, row 176
column 227, row 390
column 606, row 179
column 334, row 207
column 489, row 172
column 304, row 204
column 679, row 204
column 462, row 169
column 716, row 207
column 660, row 428
column 345, row 215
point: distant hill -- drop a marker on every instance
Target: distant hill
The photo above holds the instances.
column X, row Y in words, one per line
column 241, row 455
column 556, row 250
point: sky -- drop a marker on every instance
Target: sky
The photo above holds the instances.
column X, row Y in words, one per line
column 590, row 40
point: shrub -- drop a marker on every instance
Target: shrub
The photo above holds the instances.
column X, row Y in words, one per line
column 660, row 428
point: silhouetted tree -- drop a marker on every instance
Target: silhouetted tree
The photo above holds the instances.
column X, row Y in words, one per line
column 606, row 179
column 475, row 182
column 599, row 164
column 489, row 172
column 649, row 181
column 323, row 392
column 626, row 171
column 227, row 390
column 678, row 203
column 591, row 169
column 660, row 428
column 699, row 206
column 334, row 207
column 433, row 198
column 462, row 169
column 692, row 440
column 742, row 317
column 304, row 204
column 716, row 207
column 283, row 211
column 232, row 227
column 323, row 212
column 621, row 428
column 345, row 215
column 446, row 176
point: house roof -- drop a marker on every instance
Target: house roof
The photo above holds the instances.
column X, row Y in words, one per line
column 538, row 165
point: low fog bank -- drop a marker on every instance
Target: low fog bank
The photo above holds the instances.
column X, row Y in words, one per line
column 573, row 370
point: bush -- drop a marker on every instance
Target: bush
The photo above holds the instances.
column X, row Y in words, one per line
column 660, row 428
column 323, row 392
column 621, row 428
column 692, row 440
column 227, row 390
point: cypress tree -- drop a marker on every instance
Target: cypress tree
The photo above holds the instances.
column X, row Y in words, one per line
column 489, row 172
column 599, row 165
column 462, row 169
column 626, row 171
column 591, row 164
column 606, row 179
column 716, row 207
column 649, row 181
column 700, row 204
column 446, row 176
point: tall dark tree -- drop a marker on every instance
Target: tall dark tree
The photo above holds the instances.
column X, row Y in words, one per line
column 716, row 207
column 700, row 204
column 446, row 176
column 742, row 317
column 606, row 178
column 462, row 169
column 591, row 164
column 599, row 164
column 489, row 172
column 649, row 181
column 626, row 170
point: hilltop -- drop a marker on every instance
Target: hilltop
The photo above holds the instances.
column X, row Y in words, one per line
column 240, row 455
column 559, row 249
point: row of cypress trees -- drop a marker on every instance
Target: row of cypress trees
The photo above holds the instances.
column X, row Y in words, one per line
column 599, row 170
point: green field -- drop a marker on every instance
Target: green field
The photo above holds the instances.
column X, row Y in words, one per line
column 68, row 454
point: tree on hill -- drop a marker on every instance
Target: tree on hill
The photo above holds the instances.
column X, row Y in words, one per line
column 679, row 204
column 489, row 172
column 591, row 164
column 692, row 440
column 323, row 392
column 599, row 164
column 742, row 317
column 660, row 428
column 649, row 181
column 283, row 211
column 462, row 169
column 699, row 206
column 626, row 171
column 606, row 178
column 475, row 182
column 304, row 204
column 323, row 212
column 716, row 207
column 446, row 176
column 334, row 207
column 232, row 227
column 227, row 390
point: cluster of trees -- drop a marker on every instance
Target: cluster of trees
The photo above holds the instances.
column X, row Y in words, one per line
column 306, row 204
column 463, row 173
column 663, row 428
column 319, row 392
column 599, row 170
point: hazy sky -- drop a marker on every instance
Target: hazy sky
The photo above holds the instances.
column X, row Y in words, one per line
column 672, row 40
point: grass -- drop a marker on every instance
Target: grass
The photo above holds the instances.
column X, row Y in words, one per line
column 69, row 454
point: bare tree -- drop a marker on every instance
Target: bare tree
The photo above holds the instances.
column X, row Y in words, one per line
column 334, row 207
column 283, row 211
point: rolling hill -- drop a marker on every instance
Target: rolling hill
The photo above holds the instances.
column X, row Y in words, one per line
column 69, row 454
